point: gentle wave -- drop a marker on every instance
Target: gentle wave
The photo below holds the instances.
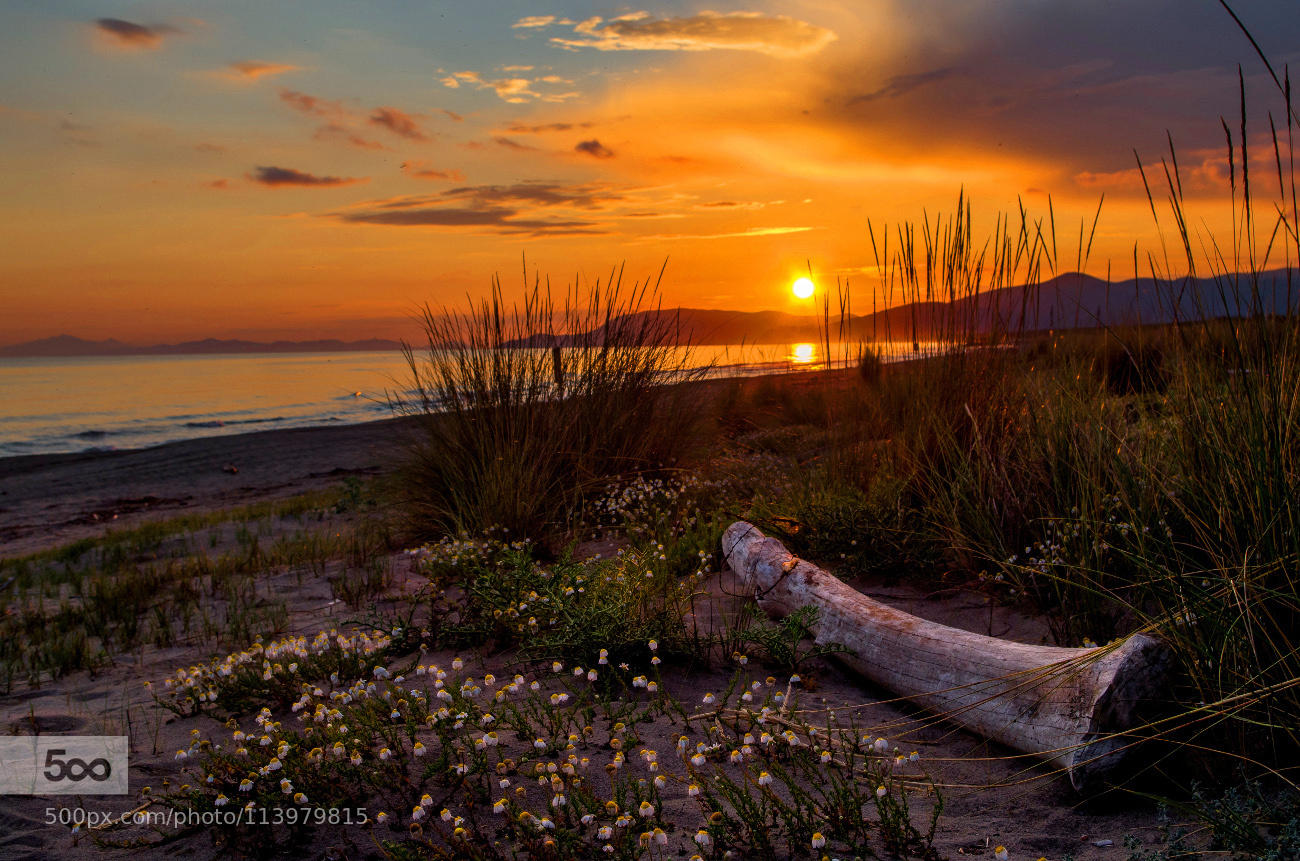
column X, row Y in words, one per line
column 220, row 423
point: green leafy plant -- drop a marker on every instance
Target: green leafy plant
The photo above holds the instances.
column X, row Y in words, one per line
column 786, row 645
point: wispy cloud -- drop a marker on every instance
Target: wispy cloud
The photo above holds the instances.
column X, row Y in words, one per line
column 1200, row 171
column 132, row 36
column 594, row 148
column 342, row 134
column 591, row 195
column 399, row 123
column 496, row 220
column 522, row 129
column 778, row 35
column 276, row 177
column 526, row 208
column 742, row 234
column 343, row 123
column 421, row 170
column 515, row 90
column 715, row 205
column 901, row 85
column 308, row 104
column 652, row 214
column 513, row 144
column 503, row 221
column 533, row 21
column 254, row 70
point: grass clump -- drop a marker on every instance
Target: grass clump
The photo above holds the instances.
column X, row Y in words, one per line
column 489, row 592
column 194, row 578
column 526, row 409
column 1129, row 369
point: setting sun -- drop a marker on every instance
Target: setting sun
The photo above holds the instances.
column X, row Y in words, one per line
column 803, row 288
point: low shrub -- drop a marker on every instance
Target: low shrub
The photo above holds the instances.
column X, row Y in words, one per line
column 490, row 592
column 445, row 762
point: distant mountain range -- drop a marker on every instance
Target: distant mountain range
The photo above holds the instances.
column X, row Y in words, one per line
column 1065, row 302
column 1070, row 301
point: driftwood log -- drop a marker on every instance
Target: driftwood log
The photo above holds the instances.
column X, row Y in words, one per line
column 1070, row 707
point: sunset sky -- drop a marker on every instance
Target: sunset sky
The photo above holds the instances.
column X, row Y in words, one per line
column 320, row 168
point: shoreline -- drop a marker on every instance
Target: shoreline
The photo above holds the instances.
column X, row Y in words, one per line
column 47, row 500
column 106, row 409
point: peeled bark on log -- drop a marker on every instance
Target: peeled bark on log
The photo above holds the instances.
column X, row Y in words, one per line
column 1070, row 707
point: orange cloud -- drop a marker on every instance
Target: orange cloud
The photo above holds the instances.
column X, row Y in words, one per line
column 337, row 132
column 421, row 170
column 778, row 35
column 516, row 91
column 132, row 36
column 513, row 144
column 1205, row 173
column 533, row 21
column 594, row 148
column 740, row 234
column 276, row 177
column 342, row 122
column 310, row 104
column 495, row 220
column 521, row 129
column 522, row 209
column 253, row 70
column 399, row 123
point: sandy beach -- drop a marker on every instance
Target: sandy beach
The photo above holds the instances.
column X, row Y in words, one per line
column 989, row 796
column 48, row 500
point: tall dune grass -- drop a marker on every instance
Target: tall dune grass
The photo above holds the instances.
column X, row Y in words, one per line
column 524, row 409
column 1116, row 479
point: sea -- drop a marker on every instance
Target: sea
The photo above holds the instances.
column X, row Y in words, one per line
column 105, row 403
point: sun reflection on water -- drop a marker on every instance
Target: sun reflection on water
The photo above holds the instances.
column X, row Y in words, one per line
column 802, row 354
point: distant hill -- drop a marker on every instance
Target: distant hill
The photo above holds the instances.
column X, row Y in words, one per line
column 1067, row 301
column 67, row 345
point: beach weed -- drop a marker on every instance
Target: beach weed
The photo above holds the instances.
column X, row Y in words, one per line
column 524, row 410
column 449, row 761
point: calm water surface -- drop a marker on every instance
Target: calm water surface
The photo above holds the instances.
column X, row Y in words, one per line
column 50, row 405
